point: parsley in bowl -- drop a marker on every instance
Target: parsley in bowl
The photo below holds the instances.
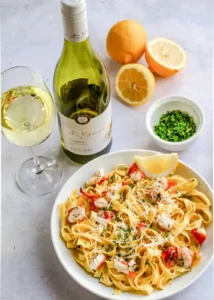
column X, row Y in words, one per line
column 175, row 126
column 175, row 122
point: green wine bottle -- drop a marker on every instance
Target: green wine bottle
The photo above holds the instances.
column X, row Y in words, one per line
column 82, row 90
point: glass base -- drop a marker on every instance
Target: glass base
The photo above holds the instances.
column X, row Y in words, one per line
column 39, row 180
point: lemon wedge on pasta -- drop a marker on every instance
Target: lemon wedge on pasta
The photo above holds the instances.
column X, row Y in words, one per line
column 157, row 165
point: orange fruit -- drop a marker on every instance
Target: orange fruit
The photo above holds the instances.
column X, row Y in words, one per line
column 165, row 57
column 126, row 41
column 134, row 84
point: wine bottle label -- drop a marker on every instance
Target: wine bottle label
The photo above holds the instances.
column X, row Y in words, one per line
column 75, row 31
column 84, row 135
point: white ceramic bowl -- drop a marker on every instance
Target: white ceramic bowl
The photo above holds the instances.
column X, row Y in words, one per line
column 79, row 274
column 170, row 103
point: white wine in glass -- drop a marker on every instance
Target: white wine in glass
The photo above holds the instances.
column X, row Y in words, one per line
column 82, row 90
column 27, row 117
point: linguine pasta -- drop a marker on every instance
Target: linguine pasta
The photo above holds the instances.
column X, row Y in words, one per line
column 133, row 233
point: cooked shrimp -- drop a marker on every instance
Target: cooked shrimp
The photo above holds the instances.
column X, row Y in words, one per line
column 76, row 214
column 187, row 255
column 96, row 178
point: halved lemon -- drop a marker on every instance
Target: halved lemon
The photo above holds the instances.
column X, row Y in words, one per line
column 134, row 84
column 165, row 57
column 157, row 165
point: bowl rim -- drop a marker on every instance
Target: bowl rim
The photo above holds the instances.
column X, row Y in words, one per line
column 66, row 268
column 171, row 98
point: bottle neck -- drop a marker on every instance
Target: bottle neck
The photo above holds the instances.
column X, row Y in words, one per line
column 75, row 31
column 71, row 47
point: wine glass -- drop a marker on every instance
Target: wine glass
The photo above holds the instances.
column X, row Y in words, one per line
column 28, row 115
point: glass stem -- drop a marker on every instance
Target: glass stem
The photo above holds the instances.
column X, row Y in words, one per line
column 38, row 167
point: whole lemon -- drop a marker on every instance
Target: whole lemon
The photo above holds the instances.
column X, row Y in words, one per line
column 126, row 41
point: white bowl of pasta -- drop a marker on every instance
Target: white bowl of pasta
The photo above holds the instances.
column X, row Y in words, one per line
column 120, row 246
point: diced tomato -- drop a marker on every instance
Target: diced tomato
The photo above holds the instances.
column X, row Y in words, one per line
column 169, row 256
column 102, row 180
column 108, row 215
column 124, row 183
column 104, row 193
column 92, row 205
column 132, row 274
column 199, row 235
column 170, row 184
column 102, row 262
column 140, row 226
column 90, row 196
column 134, row 168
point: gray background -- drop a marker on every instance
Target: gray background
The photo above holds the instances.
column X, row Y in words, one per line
column 32, row 36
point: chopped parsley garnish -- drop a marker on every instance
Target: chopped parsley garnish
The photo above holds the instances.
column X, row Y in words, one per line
column 123, row 195
column 105, row 208
column 111, row 179
column 158, row 196
column 175, row 126
column 126, row 230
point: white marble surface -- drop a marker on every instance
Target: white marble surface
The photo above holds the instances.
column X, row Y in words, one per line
column 32, row 36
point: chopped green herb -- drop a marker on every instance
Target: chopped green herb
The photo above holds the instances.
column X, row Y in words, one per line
column 123, row 195
column 158, row 196
column 175, row 126
column 126, row 230
column 111, row 179
column 105, row 208
column 126, row 235
column 131, row 186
